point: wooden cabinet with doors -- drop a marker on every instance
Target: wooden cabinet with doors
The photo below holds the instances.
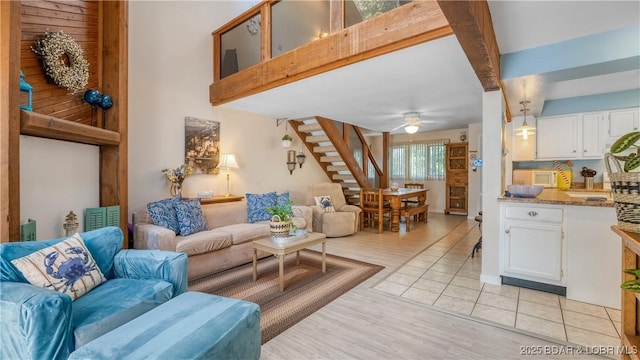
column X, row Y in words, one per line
column 457, row 179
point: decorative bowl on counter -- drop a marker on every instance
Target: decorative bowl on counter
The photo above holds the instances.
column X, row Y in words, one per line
column 525, row 191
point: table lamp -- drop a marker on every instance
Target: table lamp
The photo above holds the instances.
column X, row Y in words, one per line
column 227, row 162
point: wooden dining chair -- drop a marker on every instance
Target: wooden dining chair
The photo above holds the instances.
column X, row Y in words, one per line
column 373, row 206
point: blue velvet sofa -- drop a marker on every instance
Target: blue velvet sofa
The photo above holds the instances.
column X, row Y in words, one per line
column 39, row 323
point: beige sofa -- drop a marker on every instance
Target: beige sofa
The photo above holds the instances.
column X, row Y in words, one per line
column 226, row 244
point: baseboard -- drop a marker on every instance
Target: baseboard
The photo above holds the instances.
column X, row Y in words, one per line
column 555, row 289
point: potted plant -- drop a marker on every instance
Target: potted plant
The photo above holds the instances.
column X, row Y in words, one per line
column 625, row 142
column 623, row 180
column 286, row 141
column 280, row 222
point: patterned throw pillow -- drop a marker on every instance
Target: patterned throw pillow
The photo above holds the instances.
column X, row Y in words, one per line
column 325, row 203
column 190, row 217
column 282, row 199
column 256, row 205
column 66, row 267
column 163, row 213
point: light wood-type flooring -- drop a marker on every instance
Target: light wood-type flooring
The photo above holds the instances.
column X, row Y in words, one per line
column 370, row 323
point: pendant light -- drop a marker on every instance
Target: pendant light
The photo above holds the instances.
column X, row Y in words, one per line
column 525, row 130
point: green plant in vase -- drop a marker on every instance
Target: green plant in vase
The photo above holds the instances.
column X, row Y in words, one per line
column 281, row 226
column 625, row 142
column 286, row 141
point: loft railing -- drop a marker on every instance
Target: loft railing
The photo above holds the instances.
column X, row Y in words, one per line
column 277, row 42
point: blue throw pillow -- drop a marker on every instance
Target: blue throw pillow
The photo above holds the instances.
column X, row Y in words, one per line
column 190, row 217
column 256, row 205
column 163, row 213
column 282, row 199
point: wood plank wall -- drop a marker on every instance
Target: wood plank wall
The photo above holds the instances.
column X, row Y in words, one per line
column 107, row 54
column 81, row 20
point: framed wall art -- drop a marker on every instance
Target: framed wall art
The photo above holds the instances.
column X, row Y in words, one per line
column 202, row 145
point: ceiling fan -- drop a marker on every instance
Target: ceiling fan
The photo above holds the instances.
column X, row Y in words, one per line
column 412, row 122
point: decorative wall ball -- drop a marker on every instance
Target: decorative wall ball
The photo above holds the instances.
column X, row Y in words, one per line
column 105, row 102
column 52, row 49
column 92, row 96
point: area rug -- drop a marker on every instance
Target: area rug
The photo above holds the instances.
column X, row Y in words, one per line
column 307, row 288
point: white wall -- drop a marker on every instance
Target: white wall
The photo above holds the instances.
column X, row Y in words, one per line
column 493, row 124
column 57, row 177
column 170, row 70
column 436, row 194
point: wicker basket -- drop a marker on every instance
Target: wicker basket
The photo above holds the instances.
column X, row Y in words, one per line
column 279, row 228
column 625, row 187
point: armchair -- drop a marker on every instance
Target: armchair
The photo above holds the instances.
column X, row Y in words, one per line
column 39, row 323
column 344, row 221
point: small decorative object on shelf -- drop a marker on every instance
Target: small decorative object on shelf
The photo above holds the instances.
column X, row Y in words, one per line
column 176, row 178
column 394, row 186
column 94, row 98
column 25, row 87
column 53, row 48
column 70, row 224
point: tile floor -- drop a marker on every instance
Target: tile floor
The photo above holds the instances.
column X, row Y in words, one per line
column 445, row 276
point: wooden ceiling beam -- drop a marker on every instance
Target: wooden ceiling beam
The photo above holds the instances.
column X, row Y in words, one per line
column 472, row 25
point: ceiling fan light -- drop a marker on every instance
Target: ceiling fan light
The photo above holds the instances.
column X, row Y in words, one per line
column 411, row 129
column 411, row 117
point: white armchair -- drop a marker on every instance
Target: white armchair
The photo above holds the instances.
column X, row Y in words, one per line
column 344, row 221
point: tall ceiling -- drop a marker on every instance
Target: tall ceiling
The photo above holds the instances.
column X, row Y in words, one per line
column 436, row 79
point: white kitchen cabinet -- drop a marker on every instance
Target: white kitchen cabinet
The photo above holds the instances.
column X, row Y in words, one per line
column 592, row 135
column 522, row 149
column 623, row 121
column 576, row 136
column 557, row 137
column 533, row 243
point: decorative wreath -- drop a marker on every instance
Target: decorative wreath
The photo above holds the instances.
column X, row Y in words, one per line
column 52, row 48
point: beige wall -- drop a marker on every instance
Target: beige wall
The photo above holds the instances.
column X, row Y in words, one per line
column 170, row 70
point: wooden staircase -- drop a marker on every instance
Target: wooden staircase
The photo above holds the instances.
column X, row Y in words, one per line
column 331, row 149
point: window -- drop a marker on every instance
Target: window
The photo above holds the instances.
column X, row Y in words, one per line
column 418, row 161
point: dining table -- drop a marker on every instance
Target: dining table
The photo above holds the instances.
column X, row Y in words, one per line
column 395, row 198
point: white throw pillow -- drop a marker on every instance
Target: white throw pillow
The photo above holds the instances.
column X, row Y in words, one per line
column 325, row 203
column 66, row 267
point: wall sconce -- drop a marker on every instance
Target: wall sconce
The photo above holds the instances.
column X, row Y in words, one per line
column 291, row 161
column 301, row 157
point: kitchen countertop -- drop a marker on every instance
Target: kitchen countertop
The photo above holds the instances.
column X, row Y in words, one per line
column 559, row 197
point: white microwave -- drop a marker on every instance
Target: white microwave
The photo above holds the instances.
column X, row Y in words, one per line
column 544, row 177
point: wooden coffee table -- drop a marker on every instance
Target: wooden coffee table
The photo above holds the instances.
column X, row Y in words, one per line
column 280, row 250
